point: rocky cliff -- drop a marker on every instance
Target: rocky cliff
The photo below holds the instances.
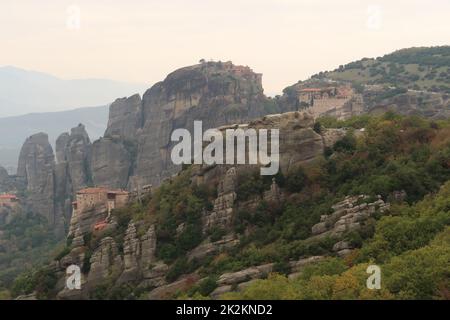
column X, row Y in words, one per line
column 72, row 170
column 128, row 257
column 74, row 151
column 137, row 140
column 36, row 168
column 45, row 183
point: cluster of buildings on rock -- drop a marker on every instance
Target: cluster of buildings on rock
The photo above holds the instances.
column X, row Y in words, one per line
column 308, row 95
column 90, row 198
column 99, row 198
column 239, row 71
column 338, row 100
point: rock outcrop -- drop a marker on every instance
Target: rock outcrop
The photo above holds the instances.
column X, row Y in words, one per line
column 222, row 214
column 137, row 141
column 210, row 248
column 104, row 261
column 36, row 169
column 75, row 151
column 125, row 117
column 138, row 253
column 72, row 170
column 148, row 248
column 239, row 280
column 111, row 163
column 299, row 143
column 351, row 214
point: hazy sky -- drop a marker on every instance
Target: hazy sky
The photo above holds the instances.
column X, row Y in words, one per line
column 142, row 41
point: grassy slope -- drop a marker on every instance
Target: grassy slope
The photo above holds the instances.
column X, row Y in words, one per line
column 415, row 68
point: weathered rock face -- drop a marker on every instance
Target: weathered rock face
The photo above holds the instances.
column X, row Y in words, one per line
column 110, row 163
column 75, row 150
column 209, row 248
column 214, row 93
column 83, row 222
column 168, row 291
column 137, row 146
column 36, row 168
column 104, row 261
column 138, row 253
column 299, row 144
column 137, row 140
column 350, row 214
column 156, row 276
column 131, row 248
column 241, row 279
column 125, row 117
column 222, row 213
column 72, row 170
column 148, row 247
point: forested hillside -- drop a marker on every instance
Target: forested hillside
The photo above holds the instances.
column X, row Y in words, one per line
column 401, row 161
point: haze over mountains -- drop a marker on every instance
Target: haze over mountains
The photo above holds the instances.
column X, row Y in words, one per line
column 14, row 130
column 32, row 101
column 23, row 91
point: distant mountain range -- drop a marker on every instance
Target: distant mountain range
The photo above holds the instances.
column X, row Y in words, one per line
column 23, row 91
column 14, row 130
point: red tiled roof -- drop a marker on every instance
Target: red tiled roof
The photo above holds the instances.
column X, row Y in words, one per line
column 317, row 89
column 92, row 190
column 100, row 225
column 100, row 190
column 118, row 192
column 8, row 196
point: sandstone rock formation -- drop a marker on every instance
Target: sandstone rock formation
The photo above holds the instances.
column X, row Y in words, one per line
column 36, row 169
column 222, row 213
column 241, row 279
column 72, row 170
column 110, row 163
column 155, row 276
column 75, row 151
column 351, row 214
column 299, row 143
column 104, row 261
column 125, row 116
column 138, row 254
column 137, row 141
column 210, row 248
column 148, row 247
